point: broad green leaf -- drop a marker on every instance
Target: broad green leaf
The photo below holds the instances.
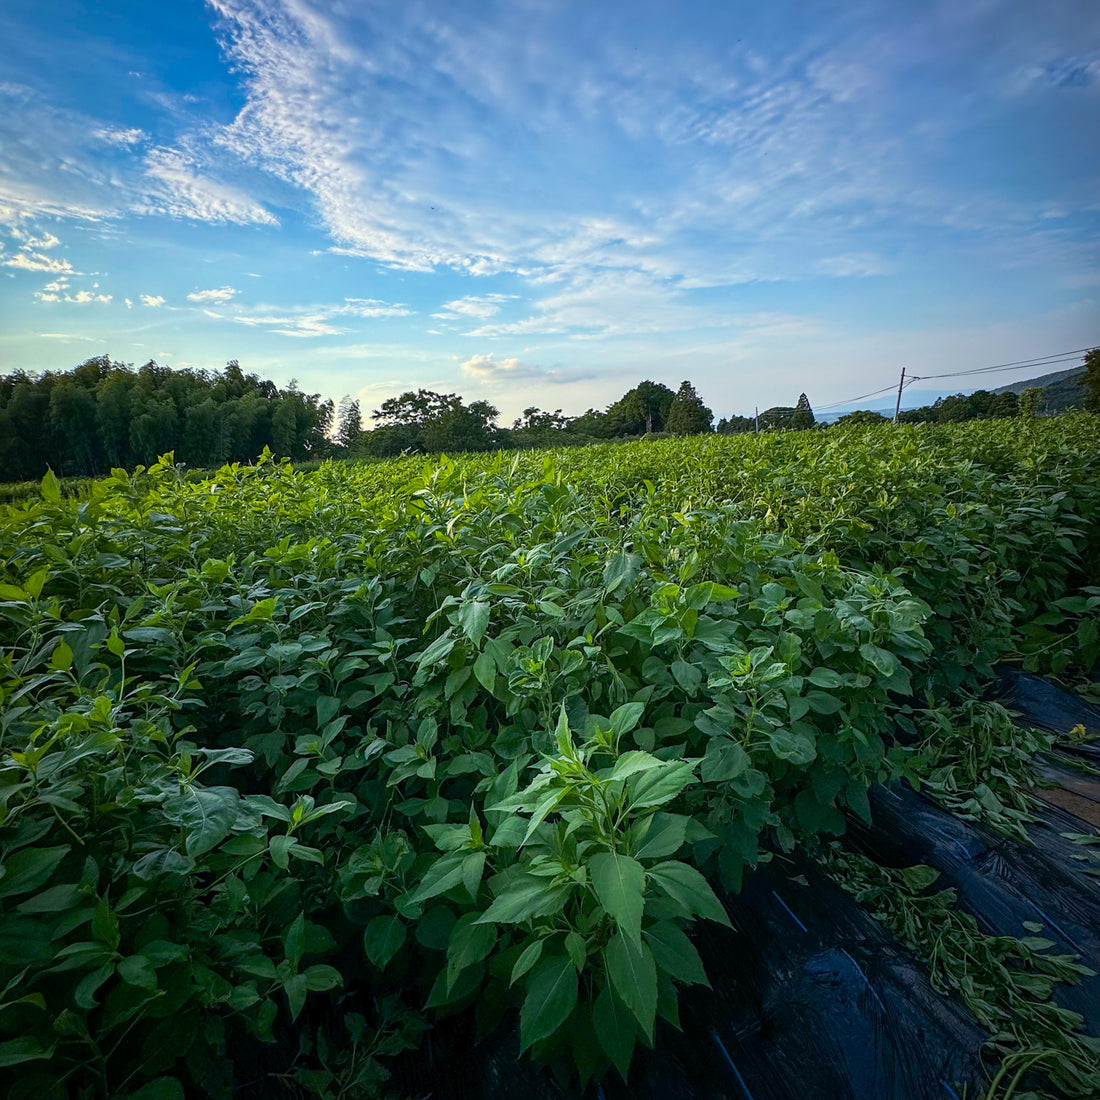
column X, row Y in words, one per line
column 625, row 718
column 621, row 571
column 29, row 869
column 473, row 866
column 525, row 897
column 321, row 978
column 821, row 702
column 327, row 708
column 382, row 939
column 633, row 973
column 51, row 488
column 551, row 996
column 792, row 746
column 473, row 618
column 105, row 924
column 616, row 1029
column 160, row 1088
column 437, row 650
column 675, row 954
column 485, row 670
column 138, row 971
column 619, row 882
column 54, row 900
column 206, row 813
column 294, row 940
column 447, row 871
column 880, row 659
column 919, row 878
column 687, row 886
column 280, row 850
column 62, row 658
column 665, row 837
column 84, row 994
column 25, row 1048
column 576, row 948
column 545, row 806
column 296, row 987
column 527, row 958
column 825, row 678
column 632, row 762
column 659, row 785
column 724, row 759
column 689, row 677
column 160, row 861
column 469, row 943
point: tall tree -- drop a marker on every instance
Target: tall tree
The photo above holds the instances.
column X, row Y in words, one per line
column 803, row 414
column 687, row 414
column 735, row 425
column 462, row 428
column 415, row 409
column 349, row 425
column 645, row 408
column 1091, row 380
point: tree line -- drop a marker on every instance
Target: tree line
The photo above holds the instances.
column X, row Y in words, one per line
column 104, row 414
column 425, row 421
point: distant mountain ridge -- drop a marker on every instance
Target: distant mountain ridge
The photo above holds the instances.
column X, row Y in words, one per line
column 1062, row 389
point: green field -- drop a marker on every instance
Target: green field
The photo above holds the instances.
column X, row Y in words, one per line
column 425, row 733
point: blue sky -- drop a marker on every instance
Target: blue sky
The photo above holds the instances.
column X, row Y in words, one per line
column 541, row 202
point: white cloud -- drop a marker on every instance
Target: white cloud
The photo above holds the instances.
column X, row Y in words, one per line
column 60, row 162
column 313, row 321
column 303, row 325
column 473, row 307
column 35, row 261
column 180, row 190
column 372, row 307
column 129, row 303
column 853, row 265
column 123, row 137
column 151, row 300
column 43, row 243
column 80, row 298
column 218, row 294
column 487, row 368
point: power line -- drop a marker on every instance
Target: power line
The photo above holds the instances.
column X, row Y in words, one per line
column 1042, row 361
column 862, row 397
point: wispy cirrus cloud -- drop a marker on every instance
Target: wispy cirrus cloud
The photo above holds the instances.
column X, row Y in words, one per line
column 60, row 162
column 473, row 307
column 180, row 189
column 314, row 321
column 797, row 158
column 125, row 137
column 216, row 294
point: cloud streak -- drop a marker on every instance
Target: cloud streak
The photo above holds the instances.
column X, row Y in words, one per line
column 314, row 321
column 216, row 294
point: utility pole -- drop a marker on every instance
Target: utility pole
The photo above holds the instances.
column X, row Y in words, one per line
column 757, row 419
column 901, row 386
